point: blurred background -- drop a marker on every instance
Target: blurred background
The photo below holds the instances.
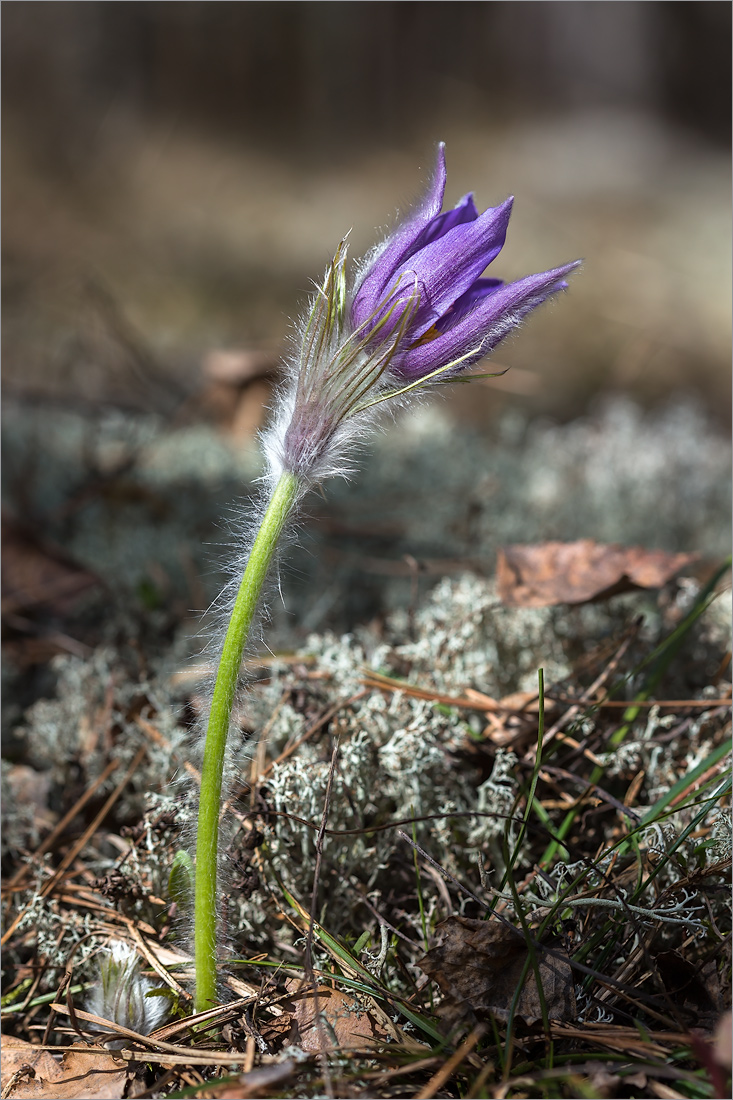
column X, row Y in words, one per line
column 175, row 174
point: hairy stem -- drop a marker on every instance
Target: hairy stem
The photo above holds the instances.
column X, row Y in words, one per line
column 207, row 837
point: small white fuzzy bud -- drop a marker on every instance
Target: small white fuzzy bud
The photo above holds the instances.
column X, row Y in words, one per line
column 120, row 996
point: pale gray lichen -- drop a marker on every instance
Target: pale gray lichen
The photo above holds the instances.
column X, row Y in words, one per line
column 468, row 637
column 720, row 833
column 60, row 935
column 93, row 718
column 24, row 801
column 399, row 756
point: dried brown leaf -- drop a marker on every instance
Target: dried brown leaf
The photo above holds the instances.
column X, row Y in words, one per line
column 478, row 965
column 333, row 1019
column 237, row 366
column 723, row 1041
column 605, row 1084
column 576, row 572
column 249, row 411
column 28, row 1072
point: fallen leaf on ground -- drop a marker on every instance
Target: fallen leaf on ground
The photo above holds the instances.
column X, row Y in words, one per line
column 249, row 411
column 723, row 1041
column 28, row 1072
column 237, row 366
column 605, row 1084
column 237, row 390
column 478, row 965
column 337, row 1020
column 576, row 572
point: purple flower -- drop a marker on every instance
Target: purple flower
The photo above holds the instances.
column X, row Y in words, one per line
column 421, row 310
column 433, row 263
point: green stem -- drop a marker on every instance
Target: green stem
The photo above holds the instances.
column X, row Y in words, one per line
column 207, row 836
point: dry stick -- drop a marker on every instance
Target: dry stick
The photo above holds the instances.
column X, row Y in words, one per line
column 701, row 779
column 65, row 984
column 65, row 981
column 478, row 1085
column 383, row 1075
column 319, row 857
column 446, row 1072
column 249, row 1050
column 94, row 824
column 39, row 978
column 364, row 829
column 24, row 1071
column 552, row 770
column 231, row 1010
column 157, row 966
column 477, row 701
column 622, row 1037
column 81, row 842
column 677, row 704
column 265, row 660
column 573, row 744
column 382, row 920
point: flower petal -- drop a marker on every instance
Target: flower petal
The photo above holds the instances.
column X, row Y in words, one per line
column 464, row 211
column 383, row 261
column 447, row 267
column 468, row 301
column 480, row 329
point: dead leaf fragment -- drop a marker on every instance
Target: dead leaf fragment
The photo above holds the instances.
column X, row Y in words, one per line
column 28, row 1072
column 605, row 1084
column 237, row 366
column 334, row 1020
column 575, row 572
column 24, row 1062
column 478, row 965
column 723, row 1041
column 249, row 411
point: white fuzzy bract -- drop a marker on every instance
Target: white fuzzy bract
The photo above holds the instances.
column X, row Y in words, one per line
column 122, row 993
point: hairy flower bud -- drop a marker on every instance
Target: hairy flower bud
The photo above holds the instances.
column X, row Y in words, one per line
column 121, row 995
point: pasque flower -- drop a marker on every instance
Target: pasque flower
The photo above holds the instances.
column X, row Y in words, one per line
column 460, row 316
column 420, row 310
